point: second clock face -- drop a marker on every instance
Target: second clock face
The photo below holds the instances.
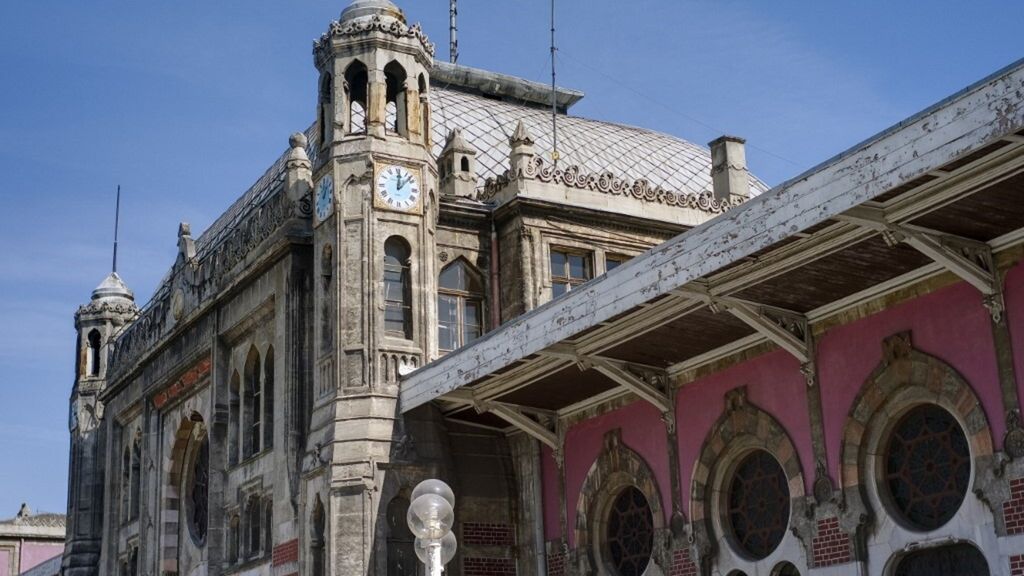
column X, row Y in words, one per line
column 324, row 198
column 398, row 188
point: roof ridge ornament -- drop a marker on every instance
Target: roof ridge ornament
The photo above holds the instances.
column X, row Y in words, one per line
column 521, row 136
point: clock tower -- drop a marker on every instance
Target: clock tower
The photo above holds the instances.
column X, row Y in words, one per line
column 375, row 183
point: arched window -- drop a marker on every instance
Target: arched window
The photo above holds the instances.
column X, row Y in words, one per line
column 317, row 539
column 326, row 122
column 397, row 288
column 234, row 538
column 252, row 404
column 395, row 78
column 126, row 485
column 464, row 164
column 757, row 504
column 630, row 533
column 401, row 554
column 927, row 467
column 268, row 526
column 253, row 527
column 94, row 353
column 424, row 109
column 785, row 569
column 235, row 409
column 356, row 83
column 136, row 480
column 459, row 306
column 950, row 560
column 133, row 562
column 198, row 493
column 268, row 399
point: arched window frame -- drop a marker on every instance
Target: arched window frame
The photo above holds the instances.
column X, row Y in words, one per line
column 460, row 296
column 135, row 490
column 357, row 81
column 252, row 406
column 396, row 96
column 235, row 417
column 318, row 539
column 253, row 527
column 268, row 399
column 234, row 539
column 95, row 345
column 397, row 288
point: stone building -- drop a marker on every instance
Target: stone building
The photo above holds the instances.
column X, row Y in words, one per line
column 635, row 361
column 29, row 540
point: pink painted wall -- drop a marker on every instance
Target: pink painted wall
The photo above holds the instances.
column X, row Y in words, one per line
column 774, row 384
column 950, row 324
column 5, row 563
column 1014, row 298
column 35, row 553
column 642, row 431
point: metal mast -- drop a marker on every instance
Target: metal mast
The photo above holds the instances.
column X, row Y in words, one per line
column 453, row 30
column 554, row 92
column 117, row 219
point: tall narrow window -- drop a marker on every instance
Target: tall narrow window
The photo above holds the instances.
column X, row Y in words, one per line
column 569, row 269
column 356, row 83
column 611, row 262
column 234, row 538
column 397, row 106
column 317, row 539
column 459, row 306
column 252, row 404
column 136, row 481
column 235, row 425
column 253, row 516
column 94, row 353
column 268, row 399
column 126, row 485
column 397, row 289
column 326, row 122
column 268, row 526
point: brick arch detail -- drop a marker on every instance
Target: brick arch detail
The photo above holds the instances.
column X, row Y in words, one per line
column 191, row 430
column 616, row 467
column 905, row 378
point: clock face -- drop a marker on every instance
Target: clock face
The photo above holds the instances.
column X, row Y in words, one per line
column 324, row 197
column 397, row 187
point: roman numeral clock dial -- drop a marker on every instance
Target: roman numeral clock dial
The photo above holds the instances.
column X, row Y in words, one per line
column 398, row 188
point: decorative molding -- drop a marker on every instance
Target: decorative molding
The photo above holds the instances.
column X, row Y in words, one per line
column 607, row 183
column 358, row 27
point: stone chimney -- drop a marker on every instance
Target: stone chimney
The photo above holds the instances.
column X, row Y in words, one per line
column 729, row 176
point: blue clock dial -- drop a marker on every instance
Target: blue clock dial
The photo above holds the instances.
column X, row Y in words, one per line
column 324, row 197
column 398, row 188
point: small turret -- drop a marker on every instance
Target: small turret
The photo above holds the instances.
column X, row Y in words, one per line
column 523, row 151
column 457, row 166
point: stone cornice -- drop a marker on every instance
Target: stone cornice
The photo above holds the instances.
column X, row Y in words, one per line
column 607, row 183
column 358, row 27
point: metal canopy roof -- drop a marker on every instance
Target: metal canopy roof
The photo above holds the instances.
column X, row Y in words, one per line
column 905, row 205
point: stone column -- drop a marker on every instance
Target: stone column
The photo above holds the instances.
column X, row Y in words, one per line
column 376, row 106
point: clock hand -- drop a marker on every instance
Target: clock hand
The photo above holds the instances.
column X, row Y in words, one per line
column 400, row 183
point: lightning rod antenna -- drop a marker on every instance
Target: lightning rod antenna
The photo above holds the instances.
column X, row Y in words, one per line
column 117, row 222
column 554, row 92
column 453, row 47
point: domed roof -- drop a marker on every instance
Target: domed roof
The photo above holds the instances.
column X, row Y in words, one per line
column 113, row 288
column 595, row 146
column 362, row 8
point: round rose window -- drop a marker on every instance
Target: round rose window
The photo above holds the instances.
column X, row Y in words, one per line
column 630, row 535
column 758, row 504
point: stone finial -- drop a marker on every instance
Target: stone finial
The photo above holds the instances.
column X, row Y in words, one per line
column 729, row 176
column 299, row 174
column 297, row 157
column 455, row 142
column 24, row 511
column 186, row 245
column 521, row 137
column 457, row 166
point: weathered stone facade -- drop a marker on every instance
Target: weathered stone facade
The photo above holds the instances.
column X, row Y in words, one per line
column 246, row 419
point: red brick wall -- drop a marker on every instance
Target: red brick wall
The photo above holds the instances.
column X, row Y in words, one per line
column 1013, row 509
column 482, row 534
column 1017, row 565
column 488, row 567
column 682, row 565
column 831, row 546
column 286, row 552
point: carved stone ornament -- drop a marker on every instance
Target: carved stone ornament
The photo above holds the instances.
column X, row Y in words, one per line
column 824, row 489
column 178, row 304
column 357, row 27
column 1013, row 442
column 443, row 256
column 607, row 183
column 896, row 347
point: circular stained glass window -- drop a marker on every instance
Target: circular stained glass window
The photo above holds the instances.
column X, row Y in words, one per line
column 630, row 536
column 758, row 504
column 927, row 466
column 199, row 492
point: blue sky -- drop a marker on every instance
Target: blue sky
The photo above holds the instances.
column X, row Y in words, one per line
column 186, row 103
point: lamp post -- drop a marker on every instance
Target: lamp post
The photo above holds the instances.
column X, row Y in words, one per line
column 430, row 518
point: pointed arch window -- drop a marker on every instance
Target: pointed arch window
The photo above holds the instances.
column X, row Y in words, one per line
column 234, row 539
column 397, row 288
column 459, row 306
column 253, row 526
column 126, row 482
column 317, row 540
column 252, row 405
column 268, row 399
column 136, row 480
column 94, row 353
column 397, row 110
column 356, row 83
column 326, row 122
column 235, row 409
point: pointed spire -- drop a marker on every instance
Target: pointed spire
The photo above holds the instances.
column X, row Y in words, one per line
column 521, row 137
column 456, row 143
